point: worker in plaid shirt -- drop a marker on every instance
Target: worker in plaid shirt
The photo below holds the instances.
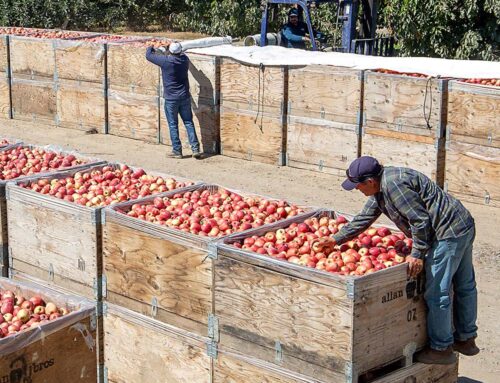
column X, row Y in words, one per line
column 442, row 230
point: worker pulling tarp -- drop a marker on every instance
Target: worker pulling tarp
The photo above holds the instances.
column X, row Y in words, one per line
column 278, row 56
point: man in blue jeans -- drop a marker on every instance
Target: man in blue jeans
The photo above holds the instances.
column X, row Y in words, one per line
column 174, row 71
column 442, row 230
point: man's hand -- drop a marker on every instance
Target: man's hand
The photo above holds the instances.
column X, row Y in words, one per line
column 415, row 266
column 305, row 38
column 324, row 245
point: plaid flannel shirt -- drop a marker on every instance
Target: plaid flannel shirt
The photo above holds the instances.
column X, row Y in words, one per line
column 418, row 207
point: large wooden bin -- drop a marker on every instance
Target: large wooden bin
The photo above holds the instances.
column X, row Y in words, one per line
column 63, row 350
column 140, row 349
column 157, row 270
column 253, row 108
column 4, row 251
column 55, row 240
column 330, row 327
column 32, row 58
column 324, row 111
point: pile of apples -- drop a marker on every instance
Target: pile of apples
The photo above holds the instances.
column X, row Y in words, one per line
column 388, row 71
column 108, row 38
column 25, row 161
column 41, row 33
column 373, row 250
column 483, row 81
column 212, row 213
column 105, row 186
column 18, row 313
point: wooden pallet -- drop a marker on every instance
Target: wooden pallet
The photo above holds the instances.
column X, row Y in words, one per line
column 326, row 93
column 65, row 351
column 81, row 105
column 319, row 324
column 325, row 146
column 134, row 115
column 140, row 349
column 405, row 104
column 473, row 114
column 422, row 153
column 473, row 173
column 206, row 121
column 34, row 100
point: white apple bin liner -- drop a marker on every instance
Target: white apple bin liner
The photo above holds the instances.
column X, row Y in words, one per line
column 180, row 237
column 79, row 308
column 225, row 245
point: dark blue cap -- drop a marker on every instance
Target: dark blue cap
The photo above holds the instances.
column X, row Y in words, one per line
column 360, row 170
column 293, row 12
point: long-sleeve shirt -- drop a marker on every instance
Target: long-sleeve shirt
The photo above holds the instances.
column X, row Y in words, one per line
column 174, row 73
column 293, row 35
column 418, row 207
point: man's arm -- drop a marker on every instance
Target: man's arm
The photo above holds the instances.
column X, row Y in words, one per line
column 160, row 60
column 290, row 36
column 360, row 222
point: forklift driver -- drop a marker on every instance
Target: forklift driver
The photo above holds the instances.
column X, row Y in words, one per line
column 293, row 34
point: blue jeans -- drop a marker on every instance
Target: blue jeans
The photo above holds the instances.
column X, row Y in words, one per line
column 172, row 110
column 449, row 263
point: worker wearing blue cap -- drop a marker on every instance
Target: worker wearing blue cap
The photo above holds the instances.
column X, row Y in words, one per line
column 293, row 34
column 443, row 232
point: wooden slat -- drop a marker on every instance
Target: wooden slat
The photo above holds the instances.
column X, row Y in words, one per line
column 423, row 373
column 138, row 349
column 128, row 70
column 330, row 93
column 251, row 136
column 474, row 114
column 252, row 88
column 4, row 97
column 133, row 115
column 321, row 145
column 206, row 121
column 139, row 267
column 396, row 102
column 34, row 100
column 406, row 150
column 80, row 60
column 32, row 57
column 3, row 55
column 473, row 173
column 45, row 237
column 81, row 105
column 257, row 307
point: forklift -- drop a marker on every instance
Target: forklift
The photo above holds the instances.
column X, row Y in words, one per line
column 362, row 42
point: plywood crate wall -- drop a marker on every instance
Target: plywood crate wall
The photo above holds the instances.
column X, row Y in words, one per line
column 321, row 325
column 204, row 86
column 62, row 350
column 324, row 110
column 140, row 349
column 34, row 100
column 4, row 78
column 253, row 111
column 32, row 58
column 404, row 121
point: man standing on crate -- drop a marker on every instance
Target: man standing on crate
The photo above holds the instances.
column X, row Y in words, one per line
column 442, row 230
column 174, row 66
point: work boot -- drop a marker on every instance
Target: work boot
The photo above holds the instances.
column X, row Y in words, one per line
column 431, row 356
column 197, row 154
column 175, row 155
column 466, row 347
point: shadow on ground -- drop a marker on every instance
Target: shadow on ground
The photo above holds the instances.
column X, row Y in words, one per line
column 463, row 379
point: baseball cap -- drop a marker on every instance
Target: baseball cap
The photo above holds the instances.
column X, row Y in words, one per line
column 293, row 12
column 175, row 48
column 360, row 170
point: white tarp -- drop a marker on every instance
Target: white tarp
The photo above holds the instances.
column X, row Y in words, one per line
column 276, row 56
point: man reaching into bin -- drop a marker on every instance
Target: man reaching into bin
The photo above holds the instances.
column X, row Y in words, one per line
column 442, row 230
column 174, row 70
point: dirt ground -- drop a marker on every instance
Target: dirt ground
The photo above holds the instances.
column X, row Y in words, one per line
column 301, row 186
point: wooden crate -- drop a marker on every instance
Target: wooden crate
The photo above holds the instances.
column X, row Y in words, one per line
column 250, row 136
column 473, row 173
column 423, row 153
column 206, row 119
column 34, row 100
column 253, row 88
column 141, row 349
column 64, row 350
column 473, row 114
column 325, row 92
column 134, row 115
column 81, row 105
column 129, row 71
column 404, row 104
column 32, row 58
column 323, row 325
column 79, row 60
column 204, row 79
column 321, row 145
